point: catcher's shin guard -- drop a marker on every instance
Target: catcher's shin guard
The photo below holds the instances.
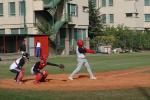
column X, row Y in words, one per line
column 38, row 77
column 45, row 74
column 20, row 76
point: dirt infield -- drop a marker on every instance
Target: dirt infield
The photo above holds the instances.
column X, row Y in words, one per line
column 105, row 80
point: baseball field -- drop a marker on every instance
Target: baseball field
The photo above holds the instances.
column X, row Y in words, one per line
column 119, row 77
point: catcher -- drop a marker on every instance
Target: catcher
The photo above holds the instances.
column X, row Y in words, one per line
column 40, row 76
column 81, row 60
column 18, row 67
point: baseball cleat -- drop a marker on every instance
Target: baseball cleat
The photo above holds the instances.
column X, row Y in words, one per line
column 70, row 78
column 93, row 78
column 19, row 82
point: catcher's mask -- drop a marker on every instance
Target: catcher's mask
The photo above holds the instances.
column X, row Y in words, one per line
column 80, row 43
column 25, row 55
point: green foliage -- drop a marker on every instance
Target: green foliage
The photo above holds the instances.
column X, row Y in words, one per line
column 95, row 20
column 110, row 39
column 123, row 37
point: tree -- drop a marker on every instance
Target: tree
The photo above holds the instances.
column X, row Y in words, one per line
column 110, row 39
column 95, row 20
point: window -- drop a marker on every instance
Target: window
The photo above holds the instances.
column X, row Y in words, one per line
column 94, row 2
column 75, row 34
column 2, row 31
column 21, row 8
column 147, row 17
column 111, row 18
column 22, row 31
column 12, row 11
column 18, row 31
column 72, row 9
column 1, row 9
column 14, row 31
column 104, row 18
column 110, row 2
column 70, row 37
column 103, row 3
column 129, row 15
column 62, row 37
column 80, row 34
column 147, row 2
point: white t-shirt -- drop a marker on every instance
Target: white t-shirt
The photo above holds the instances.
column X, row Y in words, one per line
column 15, row 64
column 38, row 44
column 79, row 55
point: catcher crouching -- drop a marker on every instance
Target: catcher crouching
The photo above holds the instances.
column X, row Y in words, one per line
column 40, row 75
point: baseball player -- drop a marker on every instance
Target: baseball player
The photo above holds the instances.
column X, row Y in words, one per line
column 40, row 76
column 18, row 67
column 81, row 60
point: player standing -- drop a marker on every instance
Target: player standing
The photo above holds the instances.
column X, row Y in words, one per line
column 81, row 60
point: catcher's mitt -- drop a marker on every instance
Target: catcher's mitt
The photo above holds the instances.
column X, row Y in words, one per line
column 61, row 66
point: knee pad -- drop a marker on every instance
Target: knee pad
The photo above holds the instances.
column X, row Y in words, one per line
column 38, row 77
column 20, row 75
column 45, row 73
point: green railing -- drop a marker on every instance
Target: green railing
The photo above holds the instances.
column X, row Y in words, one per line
column 60, row 22
column 51, row 3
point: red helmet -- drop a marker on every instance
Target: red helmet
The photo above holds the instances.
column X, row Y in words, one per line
column 43, row 59
column 80, row 43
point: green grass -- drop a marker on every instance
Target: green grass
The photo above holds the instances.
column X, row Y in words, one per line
column 99, row 63
column 126, row 94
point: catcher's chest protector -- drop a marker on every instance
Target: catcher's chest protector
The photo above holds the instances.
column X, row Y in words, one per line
column 41, row 66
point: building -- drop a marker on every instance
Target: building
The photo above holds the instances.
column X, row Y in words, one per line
column 134, row 14
column 23, row 20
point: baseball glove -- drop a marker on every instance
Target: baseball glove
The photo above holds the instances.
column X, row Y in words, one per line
column 61, row 66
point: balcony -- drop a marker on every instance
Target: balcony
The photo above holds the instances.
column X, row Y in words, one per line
column 51, row 3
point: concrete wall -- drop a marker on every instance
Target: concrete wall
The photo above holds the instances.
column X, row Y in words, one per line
column 82, row 20
column 17, row 21
column 121, row 7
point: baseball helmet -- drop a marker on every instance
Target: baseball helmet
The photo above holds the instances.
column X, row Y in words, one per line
column 80, row 43
column 25, row 55
column 43, row 59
